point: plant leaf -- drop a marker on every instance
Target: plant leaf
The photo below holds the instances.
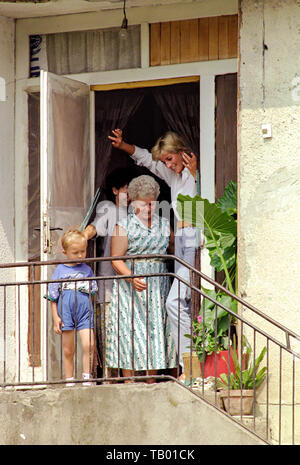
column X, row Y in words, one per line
column 210, row 218
column 228, row 201
column 258, row 360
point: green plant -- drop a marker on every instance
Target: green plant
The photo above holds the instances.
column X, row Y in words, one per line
column 218, row 223
column 249, row 378
column 210, row 327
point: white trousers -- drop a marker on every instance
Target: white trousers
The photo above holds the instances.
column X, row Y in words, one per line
column 178, row 303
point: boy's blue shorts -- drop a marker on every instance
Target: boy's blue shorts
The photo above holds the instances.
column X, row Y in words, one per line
column 76, row 313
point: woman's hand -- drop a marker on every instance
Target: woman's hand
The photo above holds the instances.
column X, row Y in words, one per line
column 89, row 232
column 139, row 284
column 116, row 138
column 118, row 143
column 190, row 162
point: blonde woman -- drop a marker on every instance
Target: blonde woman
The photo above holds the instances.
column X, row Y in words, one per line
column 171, row 162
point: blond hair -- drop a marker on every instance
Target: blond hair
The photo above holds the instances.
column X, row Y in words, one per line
column 170, row 142
column 71, row 235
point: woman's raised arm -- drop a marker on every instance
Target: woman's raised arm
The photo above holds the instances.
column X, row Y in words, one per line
column 118, row 143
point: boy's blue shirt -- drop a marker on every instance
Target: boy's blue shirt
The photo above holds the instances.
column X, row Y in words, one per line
column 78, row 271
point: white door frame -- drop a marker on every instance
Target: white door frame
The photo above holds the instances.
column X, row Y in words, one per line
column 207, row 72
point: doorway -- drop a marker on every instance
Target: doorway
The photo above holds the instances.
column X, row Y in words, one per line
column 144, row 114
column 149, row 117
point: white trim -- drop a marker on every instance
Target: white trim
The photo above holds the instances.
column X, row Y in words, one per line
column 92, row 142
column 43, row 212
column 207, row 154
column 202, row 68
column 43, row 159
column 207, row 136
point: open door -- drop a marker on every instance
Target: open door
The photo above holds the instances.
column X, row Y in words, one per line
column 66, row 170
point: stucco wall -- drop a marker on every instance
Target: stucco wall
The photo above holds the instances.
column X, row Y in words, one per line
column 164, row 413
column 7, row 254
column 269, row 175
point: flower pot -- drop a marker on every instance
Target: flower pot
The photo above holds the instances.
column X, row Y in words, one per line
column 238, row 402
column 196, row 366
column 215, row 364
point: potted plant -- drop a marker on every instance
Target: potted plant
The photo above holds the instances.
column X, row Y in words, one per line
column 237, row 390
column 210, row 338
column 210, row 335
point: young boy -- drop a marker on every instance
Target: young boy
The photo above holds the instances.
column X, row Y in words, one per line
column 71, row 304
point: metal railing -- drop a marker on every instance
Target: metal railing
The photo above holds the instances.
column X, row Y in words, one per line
column 32, row 355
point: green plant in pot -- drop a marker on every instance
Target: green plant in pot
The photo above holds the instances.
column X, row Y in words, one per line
column 238, row 388
column 218, row 223
column 210, row 327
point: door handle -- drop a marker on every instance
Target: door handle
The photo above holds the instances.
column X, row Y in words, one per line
column 47, row 245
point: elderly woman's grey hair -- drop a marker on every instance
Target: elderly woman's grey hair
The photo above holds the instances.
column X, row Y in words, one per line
column 143, row 187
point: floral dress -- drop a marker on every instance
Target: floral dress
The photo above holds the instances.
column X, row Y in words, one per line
column 138, row 333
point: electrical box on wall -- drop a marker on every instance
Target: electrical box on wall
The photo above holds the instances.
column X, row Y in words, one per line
column 266, row 131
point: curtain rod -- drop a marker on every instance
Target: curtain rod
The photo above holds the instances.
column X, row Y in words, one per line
column 149, row 83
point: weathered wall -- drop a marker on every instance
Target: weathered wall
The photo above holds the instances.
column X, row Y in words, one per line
column 7, row 254
column 7, row 68
column 164, row 413
column 269, row 174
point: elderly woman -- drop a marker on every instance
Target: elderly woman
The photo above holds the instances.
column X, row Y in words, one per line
column 171, row 161
column 139, row 336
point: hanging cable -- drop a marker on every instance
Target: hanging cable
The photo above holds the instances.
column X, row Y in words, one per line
column 123, row 30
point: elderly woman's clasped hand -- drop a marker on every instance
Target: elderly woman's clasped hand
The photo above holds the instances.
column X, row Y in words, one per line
column 139, row 284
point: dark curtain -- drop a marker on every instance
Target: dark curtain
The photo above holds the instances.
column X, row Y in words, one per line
column 113, row 110
column 180, row 108
column 180, row 105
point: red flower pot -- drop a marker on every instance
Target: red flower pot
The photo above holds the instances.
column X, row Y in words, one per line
column 215, row 364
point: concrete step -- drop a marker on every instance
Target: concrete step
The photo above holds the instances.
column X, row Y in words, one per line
column 144, row 414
